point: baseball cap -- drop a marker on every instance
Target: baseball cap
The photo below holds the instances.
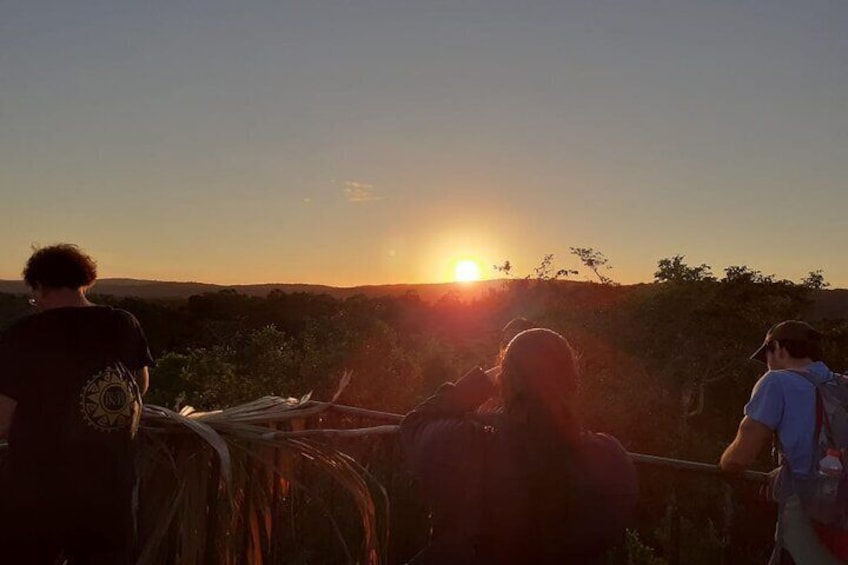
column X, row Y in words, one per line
column 792, row 330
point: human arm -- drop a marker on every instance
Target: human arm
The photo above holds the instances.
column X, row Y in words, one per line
column 142, row 378
column 135, row 351
column 763, row 415
column 750, row 440
column 453, row 400
column 437, row 435
column 443, row 442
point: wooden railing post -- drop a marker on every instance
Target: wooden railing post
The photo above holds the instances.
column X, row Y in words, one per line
column 674, row 516
column 729, row 516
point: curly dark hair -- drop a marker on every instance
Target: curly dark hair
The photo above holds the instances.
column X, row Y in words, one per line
column 60, row 266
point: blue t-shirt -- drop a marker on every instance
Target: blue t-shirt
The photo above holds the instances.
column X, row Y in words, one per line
column 785, row 402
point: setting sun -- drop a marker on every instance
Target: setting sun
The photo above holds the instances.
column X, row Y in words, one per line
column 467, row 270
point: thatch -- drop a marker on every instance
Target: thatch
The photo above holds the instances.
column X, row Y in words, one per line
column 220, row 487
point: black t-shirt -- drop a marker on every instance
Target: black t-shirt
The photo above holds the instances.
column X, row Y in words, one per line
column 78, row 406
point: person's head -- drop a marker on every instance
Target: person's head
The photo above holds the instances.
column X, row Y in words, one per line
column 513, row 328
column 58, row 270
column 539, row 382
column 789, row 344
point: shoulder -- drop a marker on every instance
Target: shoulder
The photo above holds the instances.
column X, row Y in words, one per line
column 122, row 318
column 779, row 379
column 774, row 394
column 446, row 432
column 603, row 455
column 19, row 329
column 429, row 434
column 770, row 389
column 778, row 375
column 124, row 315
column 607, row 463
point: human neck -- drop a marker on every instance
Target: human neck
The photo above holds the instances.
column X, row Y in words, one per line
column 793, row 363
column 64, row 298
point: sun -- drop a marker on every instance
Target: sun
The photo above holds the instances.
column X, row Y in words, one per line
column 467, row 270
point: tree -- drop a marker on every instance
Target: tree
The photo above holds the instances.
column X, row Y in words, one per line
column 815, row 281
column 741, row 274
column 675, row 270
column 545, row 270
column 506, row 268
column 595, row 261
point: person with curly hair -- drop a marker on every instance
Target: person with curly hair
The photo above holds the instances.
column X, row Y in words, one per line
column 72, row 375
column 525, row 485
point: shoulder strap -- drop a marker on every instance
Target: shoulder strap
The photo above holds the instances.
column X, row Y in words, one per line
column 821, row 417
column 821, row 413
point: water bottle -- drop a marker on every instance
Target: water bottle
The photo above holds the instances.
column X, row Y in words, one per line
column 830, row 475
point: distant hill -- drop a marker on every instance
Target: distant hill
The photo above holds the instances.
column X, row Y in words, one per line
column 164, row 290
column 828, row 303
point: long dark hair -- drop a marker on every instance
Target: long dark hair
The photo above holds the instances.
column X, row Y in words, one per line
column 539, row 385
column 538, row 389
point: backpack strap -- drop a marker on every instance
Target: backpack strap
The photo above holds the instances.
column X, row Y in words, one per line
column 821, row 413
column 821, row 417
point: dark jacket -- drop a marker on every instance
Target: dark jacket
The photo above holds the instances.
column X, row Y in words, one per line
column 500, row 496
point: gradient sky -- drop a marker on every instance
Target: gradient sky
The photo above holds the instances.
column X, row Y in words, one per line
column 367, row 142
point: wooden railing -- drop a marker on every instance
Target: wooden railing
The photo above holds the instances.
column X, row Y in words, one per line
column 677, row 472
column 356, row 424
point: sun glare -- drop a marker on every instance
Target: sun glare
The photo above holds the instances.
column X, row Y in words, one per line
column 467, row 270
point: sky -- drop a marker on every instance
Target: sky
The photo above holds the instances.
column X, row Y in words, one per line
column 372, row 142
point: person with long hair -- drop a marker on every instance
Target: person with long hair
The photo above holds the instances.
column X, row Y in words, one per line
column 527, row 484
column 512, row 328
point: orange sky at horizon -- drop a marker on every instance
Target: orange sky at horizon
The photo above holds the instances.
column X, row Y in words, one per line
column 348, row 144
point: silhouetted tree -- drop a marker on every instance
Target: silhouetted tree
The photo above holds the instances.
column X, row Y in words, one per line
column 595, row 261
column 815, row 281
column 675, row 270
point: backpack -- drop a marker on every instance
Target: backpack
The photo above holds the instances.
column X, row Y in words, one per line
column 831, row 432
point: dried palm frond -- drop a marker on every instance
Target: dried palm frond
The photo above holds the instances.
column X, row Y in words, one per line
column 229, row 487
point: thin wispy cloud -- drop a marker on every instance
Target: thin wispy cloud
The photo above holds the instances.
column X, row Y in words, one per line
column 360, row 192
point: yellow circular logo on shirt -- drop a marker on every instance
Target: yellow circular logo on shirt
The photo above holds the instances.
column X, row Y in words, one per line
column 108, row 402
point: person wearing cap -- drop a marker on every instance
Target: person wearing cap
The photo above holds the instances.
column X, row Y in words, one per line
column 783, row 405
